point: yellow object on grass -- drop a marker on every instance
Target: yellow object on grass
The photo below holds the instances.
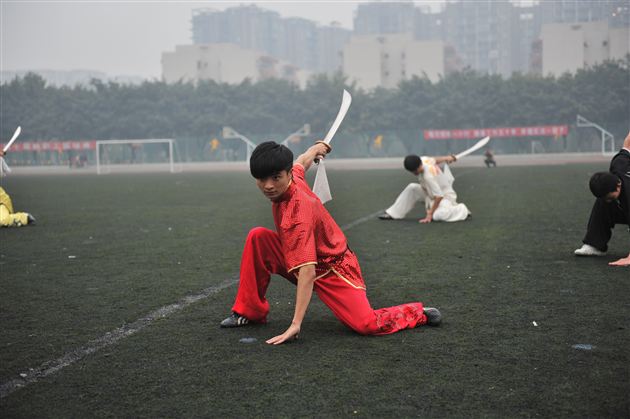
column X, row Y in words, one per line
column 8, row 218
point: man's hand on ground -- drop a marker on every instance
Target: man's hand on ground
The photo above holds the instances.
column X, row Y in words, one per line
column 621, row 262
column 290, row 334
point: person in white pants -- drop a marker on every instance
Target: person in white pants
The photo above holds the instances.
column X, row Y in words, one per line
column 435, row 188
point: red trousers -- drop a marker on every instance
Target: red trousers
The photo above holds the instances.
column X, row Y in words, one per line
column 262, row 256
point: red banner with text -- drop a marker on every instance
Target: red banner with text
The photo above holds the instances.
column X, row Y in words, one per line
column 59, row 146
column 472, row 133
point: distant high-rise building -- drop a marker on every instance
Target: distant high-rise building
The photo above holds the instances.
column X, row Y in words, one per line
column 301, row 39
column 226, row 63
column 247, row 26
column 525, row 30
column 567, row 47
column 386, row 60
column 577, row 34
column 481, row 33
column 296, row 40
column 384, row 18
column 615, row 12
column 428, row 26
column 494, row 37
column 500, row 37
column 331, row 40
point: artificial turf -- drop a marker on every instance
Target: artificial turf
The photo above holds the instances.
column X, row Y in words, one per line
column 145, row 241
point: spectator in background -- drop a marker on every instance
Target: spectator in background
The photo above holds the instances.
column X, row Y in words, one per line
column 489, row 161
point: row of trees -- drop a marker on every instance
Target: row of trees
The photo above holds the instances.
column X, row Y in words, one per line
column 184, row 110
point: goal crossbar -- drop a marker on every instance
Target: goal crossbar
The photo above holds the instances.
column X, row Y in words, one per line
column 168, row 141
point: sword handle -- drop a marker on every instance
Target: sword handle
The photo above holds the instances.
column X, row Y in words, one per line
column 328, row 149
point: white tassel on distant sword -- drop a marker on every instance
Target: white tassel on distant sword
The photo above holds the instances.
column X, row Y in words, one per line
column 4, row 167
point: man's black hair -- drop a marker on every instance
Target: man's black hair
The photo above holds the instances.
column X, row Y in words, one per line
column 269, row 158
column 412, row 162
column 602, row 183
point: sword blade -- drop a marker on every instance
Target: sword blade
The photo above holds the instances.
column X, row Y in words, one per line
column 321, row 187
column 12, row 140
column 346, row 100
column 476, row 147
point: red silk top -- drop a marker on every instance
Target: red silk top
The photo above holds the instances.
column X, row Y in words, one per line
column 308, row 233
column 310, row 236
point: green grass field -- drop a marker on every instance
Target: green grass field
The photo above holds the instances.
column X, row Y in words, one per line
column 145, row 241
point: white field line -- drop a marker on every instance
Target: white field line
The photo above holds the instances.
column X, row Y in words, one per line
column 361, row 220
column 110, row 338
column 51, row 367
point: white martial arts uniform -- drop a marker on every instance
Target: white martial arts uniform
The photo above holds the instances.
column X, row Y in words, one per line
column 433, row 182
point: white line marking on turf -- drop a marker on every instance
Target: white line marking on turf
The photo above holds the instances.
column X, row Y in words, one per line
column 51, row 367
column 361, row 220
column 110, row 338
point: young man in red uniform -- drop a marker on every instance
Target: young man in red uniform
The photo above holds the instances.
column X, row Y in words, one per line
column 309, row 249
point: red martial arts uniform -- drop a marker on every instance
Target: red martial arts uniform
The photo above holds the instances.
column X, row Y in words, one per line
column 308, row 235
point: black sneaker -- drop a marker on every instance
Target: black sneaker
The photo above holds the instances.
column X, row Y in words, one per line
column 235, row 320
column 434, row 317
column 31, row 219
column 385, row 216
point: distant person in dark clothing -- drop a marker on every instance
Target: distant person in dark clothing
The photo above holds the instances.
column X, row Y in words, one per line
column 489, row 161
column 612, row 190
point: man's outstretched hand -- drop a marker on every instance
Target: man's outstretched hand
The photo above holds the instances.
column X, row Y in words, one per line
column 621, row 262
column 290, row 334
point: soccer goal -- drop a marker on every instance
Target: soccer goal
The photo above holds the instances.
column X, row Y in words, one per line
column 135, row 155
column 607, row 137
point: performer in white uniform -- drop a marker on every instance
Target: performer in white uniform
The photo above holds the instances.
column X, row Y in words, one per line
column 435, row 188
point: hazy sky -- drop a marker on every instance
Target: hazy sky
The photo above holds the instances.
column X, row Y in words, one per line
column 121, row 37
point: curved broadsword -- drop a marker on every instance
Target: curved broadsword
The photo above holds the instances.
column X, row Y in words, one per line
column 476, row 147
column 320, row 186
column 4, row 167
column 12, row 140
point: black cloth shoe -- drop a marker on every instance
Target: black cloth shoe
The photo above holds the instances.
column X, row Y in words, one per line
column 434, row 317
column 31, row 219
column 385, row 216
column 235, row 320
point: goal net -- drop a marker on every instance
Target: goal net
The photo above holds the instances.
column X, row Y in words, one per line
column 135, row 155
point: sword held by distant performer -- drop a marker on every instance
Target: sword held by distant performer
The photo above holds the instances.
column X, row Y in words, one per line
column 4, row 167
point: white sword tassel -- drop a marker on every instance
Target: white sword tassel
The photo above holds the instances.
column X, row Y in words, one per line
column 4, row 167
column 321, row 187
